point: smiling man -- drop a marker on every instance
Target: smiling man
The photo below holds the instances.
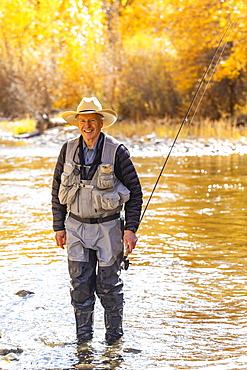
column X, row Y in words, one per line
column 94, row 179
column 90, row 127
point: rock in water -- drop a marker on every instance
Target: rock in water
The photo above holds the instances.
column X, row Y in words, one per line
column 6, row 351
column 24, row 293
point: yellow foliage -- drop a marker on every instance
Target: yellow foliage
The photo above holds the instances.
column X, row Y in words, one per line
column 23, row 126
column 18, row 127
column 55, row 51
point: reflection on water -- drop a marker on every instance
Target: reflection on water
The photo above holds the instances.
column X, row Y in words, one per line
column 186, row 302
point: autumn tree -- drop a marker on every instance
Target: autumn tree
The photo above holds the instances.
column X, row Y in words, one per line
column 142, row 58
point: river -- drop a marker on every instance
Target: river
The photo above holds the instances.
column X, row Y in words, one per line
column 185, row 290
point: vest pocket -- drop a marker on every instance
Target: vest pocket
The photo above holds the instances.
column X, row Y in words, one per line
column 105, row 176
column 110, row 200
column 72, row 194
column 70, row 183
column 123, row 193
column 105, row 201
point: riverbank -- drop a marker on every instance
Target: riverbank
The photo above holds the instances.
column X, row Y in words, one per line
column 149, row 145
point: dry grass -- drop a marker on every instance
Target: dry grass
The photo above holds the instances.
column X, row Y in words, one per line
column 223, row 129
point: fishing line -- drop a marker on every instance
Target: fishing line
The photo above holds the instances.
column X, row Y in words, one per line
column 185, row 119
column 211, row 76
column 208, row 82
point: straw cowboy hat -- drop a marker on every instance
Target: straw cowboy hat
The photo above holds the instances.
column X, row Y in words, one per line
column 90, row 105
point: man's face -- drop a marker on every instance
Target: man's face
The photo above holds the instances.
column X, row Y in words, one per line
column 90, row 127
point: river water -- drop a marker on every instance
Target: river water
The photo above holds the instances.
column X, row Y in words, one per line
column 185, row 291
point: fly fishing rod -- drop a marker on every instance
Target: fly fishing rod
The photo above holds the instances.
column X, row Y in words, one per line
column 185, row 119
column 125, row 263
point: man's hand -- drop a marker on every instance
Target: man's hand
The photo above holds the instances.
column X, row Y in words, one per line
column 61, row 238
column 130, row 240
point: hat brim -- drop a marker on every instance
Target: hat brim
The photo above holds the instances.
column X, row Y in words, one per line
column 109, row 115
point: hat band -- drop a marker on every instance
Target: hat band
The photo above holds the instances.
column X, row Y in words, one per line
column 90, row 111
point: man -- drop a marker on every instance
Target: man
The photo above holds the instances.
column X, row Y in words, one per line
column 93, row 179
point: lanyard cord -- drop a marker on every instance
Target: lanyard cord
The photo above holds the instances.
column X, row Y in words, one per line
column 185, row 119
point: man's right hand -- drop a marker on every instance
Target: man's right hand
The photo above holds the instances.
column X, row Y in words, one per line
column 61, row 238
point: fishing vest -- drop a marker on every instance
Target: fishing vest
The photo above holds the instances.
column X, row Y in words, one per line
column 101, row 196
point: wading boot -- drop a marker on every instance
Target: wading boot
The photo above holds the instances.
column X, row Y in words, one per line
column 84, row 324
column 113, row 325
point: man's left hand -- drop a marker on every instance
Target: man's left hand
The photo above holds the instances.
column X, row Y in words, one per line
column 130, row 240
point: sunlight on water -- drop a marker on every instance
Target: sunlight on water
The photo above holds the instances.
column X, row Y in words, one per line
column 185, row 291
